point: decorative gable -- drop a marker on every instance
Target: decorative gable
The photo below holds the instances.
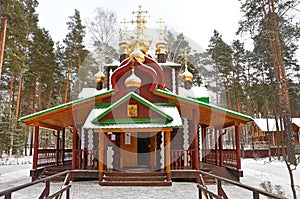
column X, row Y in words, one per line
column 132, row 108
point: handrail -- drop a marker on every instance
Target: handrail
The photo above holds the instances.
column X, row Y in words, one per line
column 221, row 192
column 45, row 194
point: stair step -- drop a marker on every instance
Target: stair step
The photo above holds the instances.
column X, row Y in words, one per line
column 135, row 174
column 135, row 183
column 134, row 178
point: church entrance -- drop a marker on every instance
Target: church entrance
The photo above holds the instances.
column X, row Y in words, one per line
column 144, row 146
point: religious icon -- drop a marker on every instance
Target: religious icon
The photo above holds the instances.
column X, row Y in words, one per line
column 132, row 110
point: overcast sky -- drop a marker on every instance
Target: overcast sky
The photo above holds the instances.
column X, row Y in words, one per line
column 196, row 19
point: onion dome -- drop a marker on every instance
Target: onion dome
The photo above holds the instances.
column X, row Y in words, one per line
column 161, row 47
column 138, row 54
column 187, row 76
column 99, row 77
column 133, row 81
column 124, row 47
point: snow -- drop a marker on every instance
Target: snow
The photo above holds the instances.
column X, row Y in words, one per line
column 170, row 111
column 90, row 92
column 262, row 123
column 255, row 173
column 194, row 92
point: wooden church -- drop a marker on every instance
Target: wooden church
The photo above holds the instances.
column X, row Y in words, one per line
column 142, row 127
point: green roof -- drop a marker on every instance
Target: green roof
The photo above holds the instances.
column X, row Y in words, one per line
column 139, row 99
column 69, row 104
column 213, row 107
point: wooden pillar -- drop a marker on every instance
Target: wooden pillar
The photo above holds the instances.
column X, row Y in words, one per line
column 101, row 156
column 238, row 147
column 74, row 147
column 63, row 145
column 57, row 147
column 204, row 142
column 216, row 145
column 196, row 140
column 168, row 153
column 35, row 147
column 221, row 147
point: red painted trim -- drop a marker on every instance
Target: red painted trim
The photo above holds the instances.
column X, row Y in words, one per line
column 238, row 147
column 160, row 73
column 36, row 146
column 123, row 68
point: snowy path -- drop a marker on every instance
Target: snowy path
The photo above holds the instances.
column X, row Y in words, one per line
column 255, row 172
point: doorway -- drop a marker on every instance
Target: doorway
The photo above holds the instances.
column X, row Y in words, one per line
column 143, row 149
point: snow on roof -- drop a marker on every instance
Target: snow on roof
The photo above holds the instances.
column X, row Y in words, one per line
column 172, row 111
column 296, row 121
column 262, row 123
column 194, row 92
column 90, row 92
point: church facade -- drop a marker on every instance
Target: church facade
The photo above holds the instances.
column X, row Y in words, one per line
column 140, row 120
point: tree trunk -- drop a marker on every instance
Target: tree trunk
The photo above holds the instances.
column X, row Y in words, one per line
column 3, row 37
column 67, row 83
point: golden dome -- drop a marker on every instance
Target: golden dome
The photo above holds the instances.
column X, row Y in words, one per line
column 138, row 54
column 133, row 81
column 161, row 47
column 99, row 77
column 124, row 47
column 187, row 76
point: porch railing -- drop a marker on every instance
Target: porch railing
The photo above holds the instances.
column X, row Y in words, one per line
column 47, row 157
column 182, row 159
column 226, row 157
column 64, row 189
column 221, row 193
column 87, row 159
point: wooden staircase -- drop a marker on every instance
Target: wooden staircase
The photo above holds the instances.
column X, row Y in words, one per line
column 135, row 179
column 49, row 171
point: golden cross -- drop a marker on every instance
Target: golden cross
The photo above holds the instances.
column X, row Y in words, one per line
column 185, row 57
column 125, row 29
column 161, row 30
column 140, row 20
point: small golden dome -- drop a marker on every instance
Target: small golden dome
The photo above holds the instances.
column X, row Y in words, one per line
column 161, row 47
column 138, row 54
column 133, row 81
column 99, row 77
column 187, row 76
column 124, row 47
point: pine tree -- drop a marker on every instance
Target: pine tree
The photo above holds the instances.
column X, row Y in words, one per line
column 268, row 14
column 221, row 54
column 75, row 53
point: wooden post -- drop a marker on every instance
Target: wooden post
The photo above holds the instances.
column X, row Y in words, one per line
column 101, row 156
column 35, row 147
column 216, row 146
column 74, row 147
column 168, row 153
column 204, row 142
column 196, row 140
column 238, row 147
column 57, row 147
column 221, row 147
column 63, row 145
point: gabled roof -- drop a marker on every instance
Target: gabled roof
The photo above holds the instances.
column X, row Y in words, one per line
column 270, row 126
column 126, row 98
column 62, row 116
column 207, row 114
column 168, row 110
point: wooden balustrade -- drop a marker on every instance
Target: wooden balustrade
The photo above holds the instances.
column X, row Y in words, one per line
column 229, row 157
column 48, row 157
column 87, row 159
column 221, row 193
column 182, row 159
column 65, row 188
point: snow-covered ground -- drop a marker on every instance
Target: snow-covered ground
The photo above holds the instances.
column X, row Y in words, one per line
column 14, row 173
